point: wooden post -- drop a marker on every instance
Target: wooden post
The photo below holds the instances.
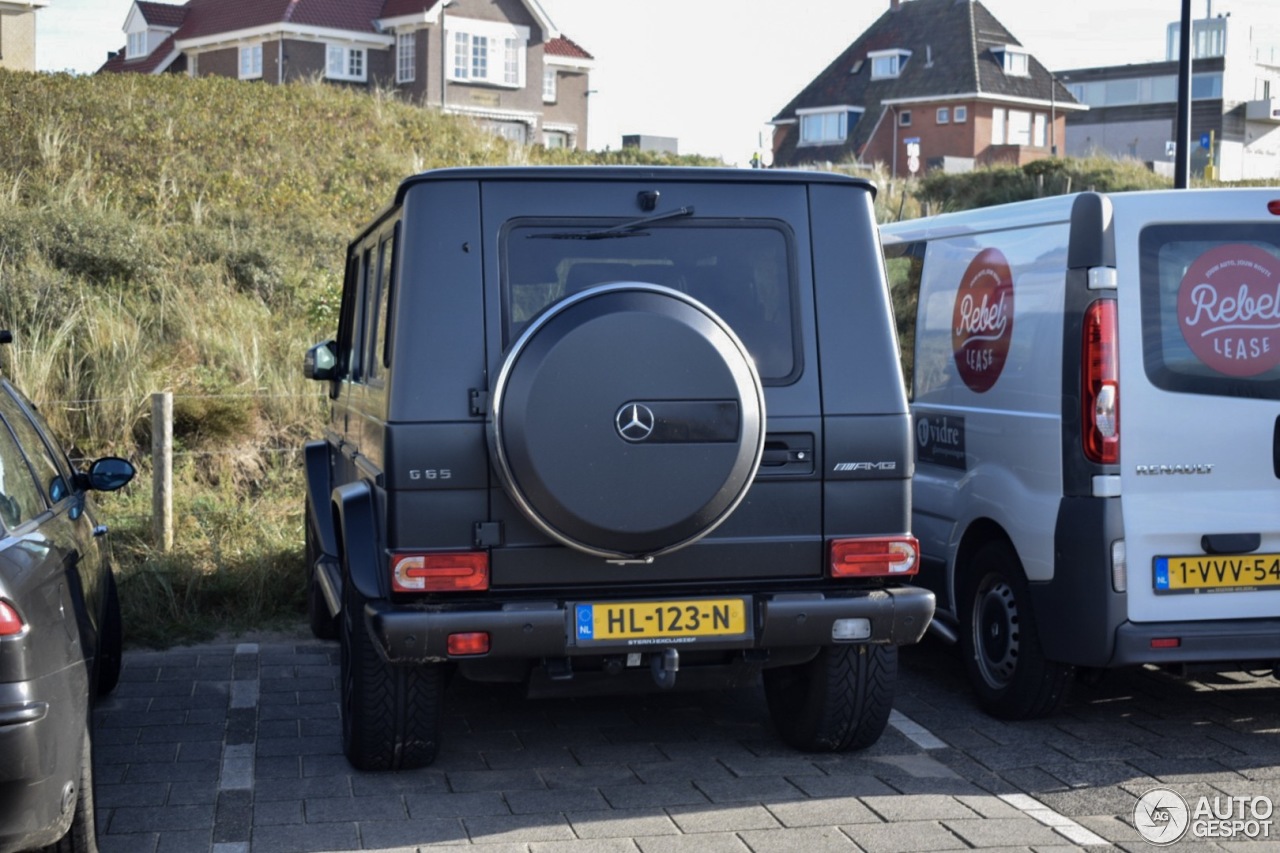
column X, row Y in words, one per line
column 162, row 469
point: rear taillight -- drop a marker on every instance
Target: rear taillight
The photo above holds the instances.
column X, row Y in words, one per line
column 1100, row 394
column 11, row 623
column 1274, row 206
column 874, row 557
column 449, row 572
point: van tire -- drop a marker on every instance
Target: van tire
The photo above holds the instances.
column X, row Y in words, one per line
column 390, row 714
column 838, row 701
column 1000, row 643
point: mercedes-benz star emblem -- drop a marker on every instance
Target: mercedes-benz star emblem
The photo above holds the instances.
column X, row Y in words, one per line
column 634, row 421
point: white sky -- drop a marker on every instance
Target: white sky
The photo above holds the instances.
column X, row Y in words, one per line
column 712, row 73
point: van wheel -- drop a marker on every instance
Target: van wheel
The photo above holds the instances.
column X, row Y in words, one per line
column 390, row 714
column 1000, row 643
column 838, row 701
column 324, row 626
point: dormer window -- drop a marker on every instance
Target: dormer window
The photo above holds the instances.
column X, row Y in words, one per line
column 827, row 125
column 886, row 64
column 137, row 46
column 1015, row 61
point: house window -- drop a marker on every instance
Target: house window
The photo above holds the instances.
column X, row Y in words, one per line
column 1014, row 60
column 406, row 57
column 960, row 115
column 488, row 52
column 944, row 115
column 511, row 61
column 997, row 126
column 549, row 86
column 887, row 63
column 904, row 118
column 1038, row 130
column 137, row 45
column 251, row 62
column 555, row 139
column 345, row 63
column 827, row 127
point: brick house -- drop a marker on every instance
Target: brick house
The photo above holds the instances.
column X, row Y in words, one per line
column 18, row 33
column 930, row 84
column 502, row 62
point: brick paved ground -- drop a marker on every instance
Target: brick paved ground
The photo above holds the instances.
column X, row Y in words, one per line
column 235, row 748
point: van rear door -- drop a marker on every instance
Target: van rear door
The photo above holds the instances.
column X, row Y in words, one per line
column 1199, row 308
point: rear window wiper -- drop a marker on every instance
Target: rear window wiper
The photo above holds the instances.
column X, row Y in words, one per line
column 626, row 229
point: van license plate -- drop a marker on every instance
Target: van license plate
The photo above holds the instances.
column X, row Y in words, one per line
column 652, row 622
column 1217, row 573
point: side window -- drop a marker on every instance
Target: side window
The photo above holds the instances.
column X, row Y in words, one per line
column 379, row 296
column 20, row 498
column 51, row 466
column 351, row 324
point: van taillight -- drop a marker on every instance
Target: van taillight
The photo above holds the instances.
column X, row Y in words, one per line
column 1274, row 206
column 449, row 572
column 1100, row 395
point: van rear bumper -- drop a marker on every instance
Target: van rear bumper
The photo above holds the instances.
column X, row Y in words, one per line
column 1228, row 641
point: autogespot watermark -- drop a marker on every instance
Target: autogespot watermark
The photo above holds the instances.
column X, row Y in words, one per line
column 1164, row 817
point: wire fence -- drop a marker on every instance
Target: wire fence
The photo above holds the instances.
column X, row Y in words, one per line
column 163, row 452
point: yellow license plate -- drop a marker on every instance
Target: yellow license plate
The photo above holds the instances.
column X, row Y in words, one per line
column 1217, row 573
column 652, row 622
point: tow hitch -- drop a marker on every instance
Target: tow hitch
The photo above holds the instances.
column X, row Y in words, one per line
column 664, row 667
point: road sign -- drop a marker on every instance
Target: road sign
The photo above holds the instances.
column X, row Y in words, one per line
column 1205, row 141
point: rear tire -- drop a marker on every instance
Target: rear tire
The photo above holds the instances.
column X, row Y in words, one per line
column 110, row 639
column 82, row 836
column 1000, row 642
column 324, row 625
column 838, row 701
column 390, row 714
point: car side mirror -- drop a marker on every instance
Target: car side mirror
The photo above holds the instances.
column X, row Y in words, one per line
column 320, row 362
column 109, row 474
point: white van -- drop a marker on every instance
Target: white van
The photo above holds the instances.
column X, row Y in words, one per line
column 1095, row 386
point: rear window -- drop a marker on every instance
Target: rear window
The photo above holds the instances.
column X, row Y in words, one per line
column 743, row 272
column 1211, row 308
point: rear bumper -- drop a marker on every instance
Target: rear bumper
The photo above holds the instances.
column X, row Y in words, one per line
column 1223, row 642
column 533, row 630
column 39, row 755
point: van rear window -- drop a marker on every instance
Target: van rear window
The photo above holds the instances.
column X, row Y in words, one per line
column 743, row 272
column 1211, row 308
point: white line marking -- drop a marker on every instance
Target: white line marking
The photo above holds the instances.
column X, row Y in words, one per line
column 1063, row 825
column 917, row 733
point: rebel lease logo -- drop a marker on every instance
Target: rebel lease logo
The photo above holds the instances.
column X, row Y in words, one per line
column 982, row 322
column 1229, row 309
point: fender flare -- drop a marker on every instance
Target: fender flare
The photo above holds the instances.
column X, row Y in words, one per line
column 319, row 485
column 356, row 521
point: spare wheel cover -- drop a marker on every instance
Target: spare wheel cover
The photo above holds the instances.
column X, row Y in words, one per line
column 627, row 421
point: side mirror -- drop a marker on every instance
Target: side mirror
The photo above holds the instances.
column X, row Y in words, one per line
column 110, row 473
column 320, row 362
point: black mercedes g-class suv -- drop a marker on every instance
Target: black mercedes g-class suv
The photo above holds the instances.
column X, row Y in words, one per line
column 600, row 429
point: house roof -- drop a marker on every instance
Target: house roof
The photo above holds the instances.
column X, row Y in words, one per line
column 951, row 44
column 566, row 47
column 161, row 14
column 154, row 62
